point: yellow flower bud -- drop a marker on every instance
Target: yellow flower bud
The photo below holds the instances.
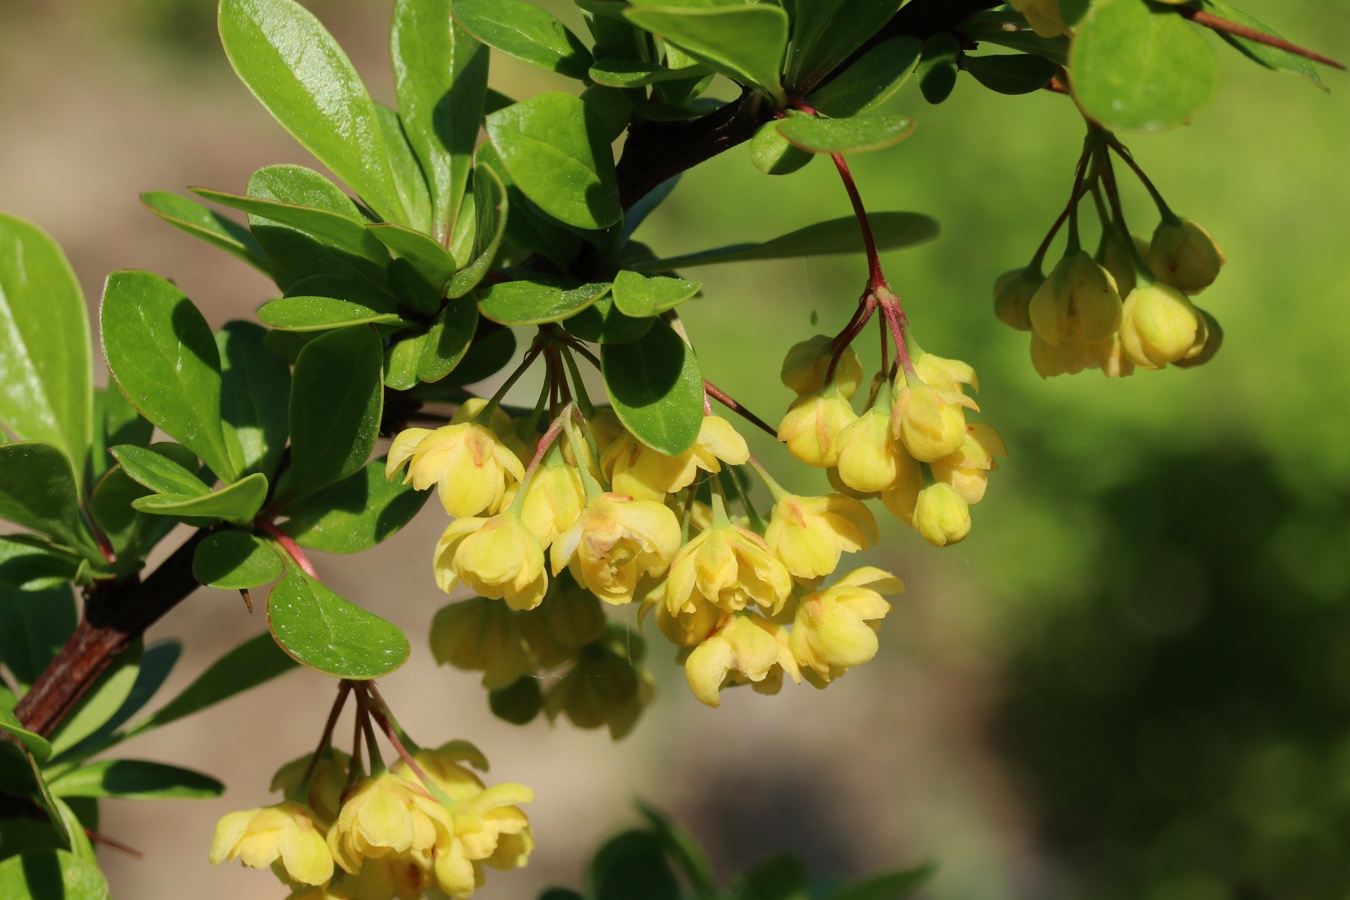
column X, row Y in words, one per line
column 481, row 635
column 835, row 629
column 616, row 541
column 1012, row 296
column 468, row 463
column 869, row 461
column 729, row 567
column 325, row 784
column 808, row 534
column 1043, row 16
column 1114, row 256
column 1078, row 301
column 385, row 815
column 806, row 363
column 941, row 515
column 1064, row 358
column 1160, row 325
column 1184, row 255
column 899, row 498
column 967, row 469
column 747, row 649
column 288, row 832
column 812, row 425
column 930, row 421
column 1109, row 356
column 498, row 558
column 1208, row 340
column 554, row 498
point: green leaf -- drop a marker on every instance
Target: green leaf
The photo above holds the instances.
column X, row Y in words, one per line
column 164, row 358
column 1266, row 55
column 101, row 702
column 116, row 421
column 870, row 81
column 448, row 340
column 44, row 343
column 238, row 502
column 772, row 154
column 158, row 472
column 252, row 663
column 745, row 43
column 602, row 323
column 254, row 391
column 681, row 847
column 132, row 534
column 51, row 874
column 1139, row 67
column 826, row 32
column 33, row 742
column 889, row 886
column 37, row 491
column 543, row 299
column 553, row 148
column 1011, row 74
column 492, row 348
column 525, row 227
column 135, row 779
column 890, row 229
column 440, row 76
column 32, row 563
column 1003, row 28
column 429, row 258
column 208, row 225
column 657, row 388
column 337, row 395
column 320, row 314
column 641, row 296
column 781, row 877
column 233, row 560
column 330, row 634
column 526, row 32
column 400, row 362
column 633, row 864
column 355, row 514
column 938, row 66
column 295, row 68
column 630, row 73
column 490, row 214
column 409, row 181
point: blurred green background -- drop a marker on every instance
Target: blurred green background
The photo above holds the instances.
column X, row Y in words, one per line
column 1131, row 681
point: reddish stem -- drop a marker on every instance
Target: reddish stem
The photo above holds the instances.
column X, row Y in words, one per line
column 1217, row 23
column 290, row 546
column 723, row 398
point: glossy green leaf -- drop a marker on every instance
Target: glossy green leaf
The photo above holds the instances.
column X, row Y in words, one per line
column 1011, row 74
column 889, row 886
column 630, row 73
column 772, row 153
column 131, row 533
column 51, row 875
column 238, row 502
column 1266, row 55
column 746, row 43
column 101, row 702
column 329, row 633
column 33, row 742
column 320, row 314
column 252, row 663
column 938, row 66
column 349, row 288
column 870, row 81
column 158, row 472
column 633, row 864
column 440, row 76
column 656, row 387
column 602, row 323
column 554, row 150
column 44, row 343
column 355, row 514
column 826, row 32
column 781, row 877
column 295, row 68
column 538, row 301
column 491, row 349
column 641, row 296
column 135, row 779
column 164, row 358
column 37, row 491
column 448, row 340
column 429, row 258
column 1135, row 66
column 409, row 181
column 890, row 229
column 116, row 421
column 337, row 395
column 233, row 560
column 490, row 216
column 400, row 362
column 524, row 226
column 254, row 392
column 526, row 32
column 32, row 563
column 684, row 850
column 219, row 231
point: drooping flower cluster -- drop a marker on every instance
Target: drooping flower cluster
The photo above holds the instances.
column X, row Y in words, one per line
column 399, row 834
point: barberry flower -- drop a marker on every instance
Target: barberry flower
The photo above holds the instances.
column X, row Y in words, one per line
column 836, row 628
column 929, row 420
column 748, row 648
column 1012, row 296
column 967, row 470
column 1079, row 301
column 869, row 460
column 1160, row 325
column 498, row 558
column 808, row 362
column 616, row 540
column 387, row 815
column 490, row 829
column 730, row 567
column 647, row 474
column 554, row 498
column 1184, row 255
column 941, row 515
column 470, row 466
column 813, row 423
column 289, row 833
column 326, row 782
column 808, row 534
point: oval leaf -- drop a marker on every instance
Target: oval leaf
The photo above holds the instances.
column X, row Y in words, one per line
column 744, row 43
column 355, row 514
column 45, row 874
column 602, row 323
column 432, row 261
column 489, row 210
column 629, row 73
column 33, row 742
column 1011, row 74
column 235, row 560
column 535, row 302
column 37, row 491
column 856, row 135
column 448, row 339
column 657, row 388
column 640, row 296
column 255, row 385
column 238, row 502
column 771, row 153
column 330, row 634
column 158, row 472
column 102, row 701
column 870, row 81
column 526, row 32
column 208, row 225
column 135, row 779
column 320, row 314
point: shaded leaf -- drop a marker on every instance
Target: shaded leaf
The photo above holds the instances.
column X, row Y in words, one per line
column 772, row 154
column 409, row 182
column 448, row 340
column 938, row 66
column 37, row 491
column 231, row 560
column 329, row 633
column 870, row 81
column 320, row 314
column 490, row 216
column 889, row 886
column 526, row 32
column 355, row 514
column 630, row 73
column 33, row 742
column 238, row 502
column 746, row 43
column 49, row 874
column 158, row 472
column 656, row 387
column 429, row 258
column 254, row 395
column 102, row 701
column 633, row 864
column 681, row 847
column 602, row 323
column 135, row 779
column 826, row 32
column 32, row 563
column 1011, row 74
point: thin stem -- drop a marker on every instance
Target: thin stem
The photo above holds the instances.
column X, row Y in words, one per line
column 1108, row 178
column 1216, row 23
column 485, row 415
column 876, row 277
column 725, row 399
column 583, row 399
column 344, row 691
column 1124, row 153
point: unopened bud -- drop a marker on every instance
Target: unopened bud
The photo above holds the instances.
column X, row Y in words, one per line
column 1012, row 296
column 1185, row 256
column 1159, row 325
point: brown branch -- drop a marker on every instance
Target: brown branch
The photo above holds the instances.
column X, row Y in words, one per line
column 1218, row 23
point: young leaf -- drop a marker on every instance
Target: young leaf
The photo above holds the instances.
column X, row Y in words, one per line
column 231, row 560
column 640, row 296
column 329, row 633
column 295, row 68
column 101, row 702
column 132, row 534
column 337, row 395
column 158, row 472
column 32, row 563
column 448, row 339
column 490, row 351
column 1018, row 73
column 320, row 314
column 772, row 154
column 44, row 343
column 164, row 358
column 44, row 874
column 630, row 73
column 657, row 388
column 135, row 779
column 938, row 66
column 554, row 150
column 33, row 742
column 1266, row 55
column 825, row 32
column 870, row 81
column 429, row 258
column 210, row 226
column 355, row 514
column 890, row 229
column 252, row 663
column 440, row 76
column 1140, row 67
column 544, row 299
column 37, row 491
column 400, row 362
column 746, row 43
column 526, row 32
column 489, row 205
column 254, row 391
column 633, row 864
column 238, row 502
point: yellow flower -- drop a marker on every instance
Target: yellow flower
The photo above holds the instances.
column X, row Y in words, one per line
column 747, row 649
column 1109, row 355
column 835, row 629
column 941, row 515
column 1064, row 358
column 900, row 498
column 684, row 627
column 470, row 466
column 1208, row 339
column 490, row 829
column 616, row 541
column 288, row 832
column 808, row 534
column 1043, row 16
column 806, row 363
column 730, row 567
column 1185, row 256
column 554, row 498
column 481, row 635
column 946, row 374
column 442, row 767
column 967, row 469
column 1160, row 325
column 929, row 420
column 387, row 815
column 498, row 558
column 1078, row 301
column 394, row 876
column 812, row 426
column 646, row 474
column 325, row 785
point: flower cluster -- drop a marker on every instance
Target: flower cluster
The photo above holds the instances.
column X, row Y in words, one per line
column 421, row 830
